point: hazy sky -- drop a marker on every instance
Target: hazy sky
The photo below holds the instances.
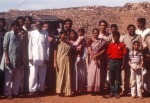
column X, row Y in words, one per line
column 6, row 5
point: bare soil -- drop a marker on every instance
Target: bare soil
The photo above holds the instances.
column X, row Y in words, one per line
column 86, row 98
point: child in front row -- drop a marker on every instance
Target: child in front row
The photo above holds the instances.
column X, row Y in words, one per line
column 136, row 63
column 116, row 54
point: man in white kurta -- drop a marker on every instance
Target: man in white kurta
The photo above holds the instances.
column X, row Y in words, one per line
column 38, row 57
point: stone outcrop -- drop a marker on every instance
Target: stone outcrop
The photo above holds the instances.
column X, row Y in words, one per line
column 89, row 16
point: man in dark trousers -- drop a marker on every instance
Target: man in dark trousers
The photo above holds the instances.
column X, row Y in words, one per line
column 2, row 33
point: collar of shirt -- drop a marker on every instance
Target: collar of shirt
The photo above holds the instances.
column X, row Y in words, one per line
column 114, row 43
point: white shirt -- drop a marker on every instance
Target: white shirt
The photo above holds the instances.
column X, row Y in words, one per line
column 143, row 33
column 29, row 32
column 106, row 37
column 38, row 47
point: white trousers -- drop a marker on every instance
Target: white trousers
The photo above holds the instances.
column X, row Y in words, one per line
column 136, row 83
column 37, row 78
column 12, row 82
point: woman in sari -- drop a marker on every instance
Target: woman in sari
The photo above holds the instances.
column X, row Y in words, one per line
column 80, row 70
column 73, row 55
column 96, row 48
column 62, row 65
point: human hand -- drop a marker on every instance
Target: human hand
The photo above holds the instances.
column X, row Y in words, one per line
column 31, row 61
column 138, row 68
column 94, row 56
column 107, row 66
column 122, row 67
column 56, row 67
column 8, row 62
column 79, row 48
column 96, row 62
column 78, row 59
column 134, row 69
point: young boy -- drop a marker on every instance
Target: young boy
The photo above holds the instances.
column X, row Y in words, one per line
column 116, row 53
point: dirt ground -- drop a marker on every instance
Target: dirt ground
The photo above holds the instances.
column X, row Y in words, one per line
column 86, row 98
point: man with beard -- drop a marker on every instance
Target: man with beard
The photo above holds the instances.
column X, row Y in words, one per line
column 68, row 27
column 128, row 40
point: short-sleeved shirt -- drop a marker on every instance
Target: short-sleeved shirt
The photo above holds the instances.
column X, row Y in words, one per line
column 116, row 50
column 135, row 57
column 128, row 40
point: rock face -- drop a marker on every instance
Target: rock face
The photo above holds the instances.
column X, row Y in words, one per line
column 89, row 16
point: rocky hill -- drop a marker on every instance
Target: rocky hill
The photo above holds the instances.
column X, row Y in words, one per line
column 89, row 16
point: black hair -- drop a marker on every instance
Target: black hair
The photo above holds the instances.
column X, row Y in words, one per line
column 116, row 33
column 141, row 21
column 114, row 26
column 96, row 30
column 15, row 23
column 29, row 17
column 63, row 32
column 20, row 17
column 82, row 31
column 131, row 25
column 103, row 21
column 41, row 25
column 136, row 42
column 69, row 20
column 3, row 20
column 74, row 32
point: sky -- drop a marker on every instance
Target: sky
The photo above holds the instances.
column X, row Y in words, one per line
column 6, row 5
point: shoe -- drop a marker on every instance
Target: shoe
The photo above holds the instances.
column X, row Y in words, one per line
column 59, row 94
column 22, row 94
column 133, row 97
column 15, row 96
column 117, row 96
column 123, row 93
column 141, row 97
column 9, row 97
column 32, row 94
column 93, row 94
column 110, row 95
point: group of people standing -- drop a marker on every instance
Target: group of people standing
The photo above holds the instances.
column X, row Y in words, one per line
column 106, row 60
column 25, row 56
